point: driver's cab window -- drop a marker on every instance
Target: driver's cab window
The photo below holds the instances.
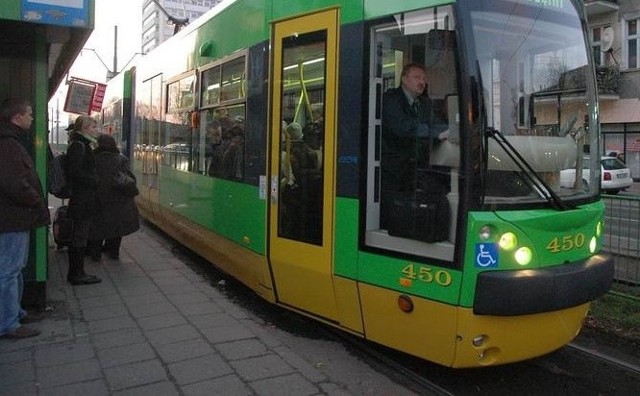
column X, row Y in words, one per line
column 413, row 155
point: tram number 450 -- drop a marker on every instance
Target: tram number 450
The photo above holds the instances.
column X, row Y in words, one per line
column 567, row 242
column 427, row 275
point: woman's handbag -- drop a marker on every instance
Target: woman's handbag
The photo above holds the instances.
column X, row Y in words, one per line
column 125, row 182
column 62, row 227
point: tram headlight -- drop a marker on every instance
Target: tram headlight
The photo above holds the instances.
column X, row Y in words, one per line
column 485, row 233
column 478, row 340
column 599, row 229
column 592, row 245
column 508, row 241
column 523, row 255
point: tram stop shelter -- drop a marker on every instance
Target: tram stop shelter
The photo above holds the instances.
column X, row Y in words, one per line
column 39, row 41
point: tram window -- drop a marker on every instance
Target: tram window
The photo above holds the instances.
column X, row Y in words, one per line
column 535, row 93
column 232, row 85
column 412, row 163
column 210, row 87
column 155, row 112
column 176, row 133
column 181, row 94
column 143, row 106
column 147, row 132
column 219, row 143
column 111, row 116
column 176, row 141
column 302, row 140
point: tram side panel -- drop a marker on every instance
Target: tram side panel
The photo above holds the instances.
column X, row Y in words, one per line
column 222, row 220
column 428, row 330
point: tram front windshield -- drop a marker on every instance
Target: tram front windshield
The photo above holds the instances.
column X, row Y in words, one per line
column 537, row 91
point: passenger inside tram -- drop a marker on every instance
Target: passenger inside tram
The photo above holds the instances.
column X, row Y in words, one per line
column 302, row 185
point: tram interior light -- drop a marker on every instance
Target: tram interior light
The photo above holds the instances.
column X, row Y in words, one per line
column 306, row 63
column 523, row 255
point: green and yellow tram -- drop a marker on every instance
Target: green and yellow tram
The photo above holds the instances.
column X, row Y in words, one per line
column 259, row 137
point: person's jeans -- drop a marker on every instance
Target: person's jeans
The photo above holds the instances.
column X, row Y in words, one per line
column 14, row 250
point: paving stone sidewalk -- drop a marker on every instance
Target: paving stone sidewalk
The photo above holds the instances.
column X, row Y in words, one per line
column 152, row 327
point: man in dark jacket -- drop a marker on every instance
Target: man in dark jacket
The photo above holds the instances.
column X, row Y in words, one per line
column 22, row 208
column 409, row 129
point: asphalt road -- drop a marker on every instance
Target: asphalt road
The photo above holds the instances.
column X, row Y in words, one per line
column 633, row 190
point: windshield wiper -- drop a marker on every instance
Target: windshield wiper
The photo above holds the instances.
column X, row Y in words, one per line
column 528, row 172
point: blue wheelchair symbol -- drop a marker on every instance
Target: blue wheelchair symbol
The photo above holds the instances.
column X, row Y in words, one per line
column 486, row 255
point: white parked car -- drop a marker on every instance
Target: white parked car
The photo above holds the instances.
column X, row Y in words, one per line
column 615, row 175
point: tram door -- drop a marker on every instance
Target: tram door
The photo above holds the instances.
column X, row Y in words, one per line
column 302, row 184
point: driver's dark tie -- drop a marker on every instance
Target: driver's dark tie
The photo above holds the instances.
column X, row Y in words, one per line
column 415, row 107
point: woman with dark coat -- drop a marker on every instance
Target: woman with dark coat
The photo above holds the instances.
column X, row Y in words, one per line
column 82, row 177
column 116, row 215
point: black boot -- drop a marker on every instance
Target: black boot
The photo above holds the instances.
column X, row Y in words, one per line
column 72, row 254
column 112, row 247
column 94, row 249
column 76, row 275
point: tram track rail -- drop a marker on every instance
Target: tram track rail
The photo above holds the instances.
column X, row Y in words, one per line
column 603, row 357
column 396, row 367
column 409, row 378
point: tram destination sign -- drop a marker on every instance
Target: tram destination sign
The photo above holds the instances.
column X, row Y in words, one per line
column 557, row 4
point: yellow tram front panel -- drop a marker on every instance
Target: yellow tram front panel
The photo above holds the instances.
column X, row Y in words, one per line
column 494, row 340
column 455, row 337
column 428, row 331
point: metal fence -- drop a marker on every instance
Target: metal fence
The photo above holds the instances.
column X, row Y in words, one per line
column 622, row 236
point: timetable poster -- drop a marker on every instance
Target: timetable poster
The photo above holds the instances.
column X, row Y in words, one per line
column 79, row 98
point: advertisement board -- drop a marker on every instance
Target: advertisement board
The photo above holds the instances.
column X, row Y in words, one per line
column 56, row 12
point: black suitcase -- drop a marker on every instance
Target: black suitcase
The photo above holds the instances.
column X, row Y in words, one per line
column 420, row 216
column 62, row 227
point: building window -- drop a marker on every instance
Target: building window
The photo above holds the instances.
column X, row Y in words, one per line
column 148, row 7
column 632, row 43
column 149, row 19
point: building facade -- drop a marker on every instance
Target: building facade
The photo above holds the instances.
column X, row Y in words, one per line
column 156, row 24
column 614, row 27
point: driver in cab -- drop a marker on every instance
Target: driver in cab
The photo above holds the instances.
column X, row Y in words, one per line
column 408, row 132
